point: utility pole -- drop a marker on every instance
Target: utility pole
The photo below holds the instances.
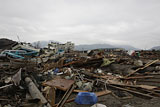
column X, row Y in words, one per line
column 18, row 38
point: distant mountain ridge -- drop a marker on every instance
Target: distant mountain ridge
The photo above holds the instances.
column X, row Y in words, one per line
column 155, row 48
column 89, row 47
column 97, row 46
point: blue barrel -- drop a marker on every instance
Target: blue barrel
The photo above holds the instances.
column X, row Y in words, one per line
column 86, row 98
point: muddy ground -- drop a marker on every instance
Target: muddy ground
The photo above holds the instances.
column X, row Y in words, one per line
column 111, row 101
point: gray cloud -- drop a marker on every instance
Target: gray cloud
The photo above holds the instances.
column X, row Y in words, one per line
column 133, row 22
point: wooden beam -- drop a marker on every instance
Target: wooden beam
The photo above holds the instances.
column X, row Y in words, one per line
column 131, row 91
column 66, row 96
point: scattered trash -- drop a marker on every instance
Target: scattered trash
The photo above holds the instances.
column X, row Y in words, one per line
column 17, row 77
column 138, row 63
column 99, row 71
column 8, row 80
column 87, row 86
column 56, row 71
column 99, row 105
column 52, row 76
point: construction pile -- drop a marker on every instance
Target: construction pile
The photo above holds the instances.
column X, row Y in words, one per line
column 65, row 80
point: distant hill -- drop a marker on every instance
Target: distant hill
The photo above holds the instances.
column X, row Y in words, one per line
column 97, row 46
column 127, row 47
column 93, row 46
column 43, row 44
column 155, row 48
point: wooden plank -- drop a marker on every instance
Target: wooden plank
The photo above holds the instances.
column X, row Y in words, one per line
column 62, row 84
column 148, row 87
column 138, row 77
column 51, row 96
column 101, row 93
column 50, row 93
column 131, row 91
column 77, row 91
column 66, row 96
column 6, row 86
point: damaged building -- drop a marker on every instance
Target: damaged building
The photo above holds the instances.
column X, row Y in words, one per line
column 58, row 47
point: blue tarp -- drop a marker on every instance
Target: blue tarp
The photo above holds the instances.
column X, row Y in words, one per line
column 86, row 98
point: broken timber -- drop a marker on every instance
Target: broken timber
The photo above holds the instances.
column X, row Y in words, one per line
column 148, row 64
column 131, row 91
column 66, row 96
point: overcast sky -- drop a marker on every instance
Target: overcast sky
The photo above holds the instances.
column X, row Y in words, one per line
column 133, row 22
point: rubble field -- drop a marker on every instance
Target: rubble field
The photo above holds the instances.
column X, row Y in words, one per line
column 31, row 77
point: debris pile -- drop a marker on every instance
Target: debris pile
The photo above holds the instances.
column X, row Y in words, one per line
column 32, row 77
